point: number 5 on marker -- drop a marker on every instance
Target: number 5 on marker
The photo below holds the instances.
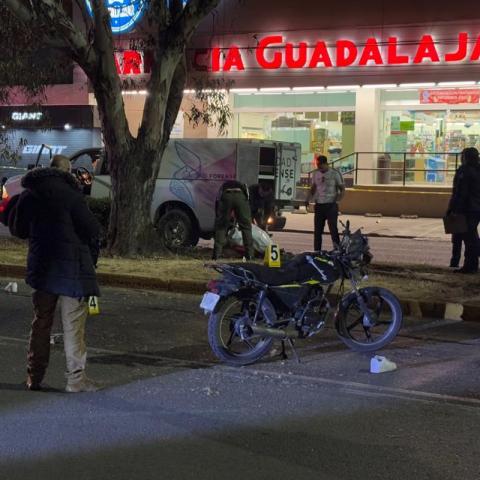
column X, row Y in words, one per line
column 272, row 256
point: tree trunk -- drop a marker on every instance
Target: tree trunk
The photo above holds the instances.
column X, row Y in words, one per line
column 131, row 231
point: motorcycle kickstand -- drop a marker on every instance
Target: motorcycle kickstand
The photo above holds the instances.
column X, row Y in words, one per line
column 283, row 353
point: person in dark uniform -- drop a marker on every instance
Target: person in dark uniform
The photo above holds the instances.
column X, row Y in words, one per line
column 261, row 203
column 233, row 197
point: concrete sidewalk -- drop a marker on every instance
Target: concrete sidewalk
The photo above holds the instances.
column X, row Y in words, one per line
column 377, row 226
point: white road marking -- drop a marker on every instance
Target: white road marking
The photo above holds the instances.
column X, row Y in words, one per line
column 349, row 386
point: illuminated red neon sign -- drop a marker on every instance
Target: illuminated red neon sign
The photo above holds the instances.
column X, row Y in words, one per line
column 133, row 62
column 274, row 52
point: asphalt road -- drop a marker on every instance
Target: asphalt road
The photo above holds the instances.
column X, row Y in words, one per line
column 168, row 410
column 385, row 250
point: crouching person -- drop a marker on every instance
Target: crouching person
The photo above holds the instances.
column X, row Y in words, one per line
column 233, row 198
column 52, row 213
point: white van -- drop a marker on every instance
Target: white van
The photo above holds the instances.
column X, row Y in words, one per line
column 191, row 173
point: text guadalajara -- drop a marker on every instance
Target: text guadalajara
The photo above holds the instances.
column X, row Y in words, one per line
column 273, row 52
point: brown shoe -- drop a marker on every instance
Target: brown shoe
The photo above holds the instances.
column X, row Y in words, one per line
column 83, row 384
column 33, row 385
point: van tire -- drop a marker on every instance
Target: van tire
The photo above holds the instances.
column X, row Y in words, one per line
column 177, row 230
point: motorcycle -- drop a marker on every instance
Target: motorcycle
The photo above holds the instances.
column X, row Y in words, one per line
column 251, row 305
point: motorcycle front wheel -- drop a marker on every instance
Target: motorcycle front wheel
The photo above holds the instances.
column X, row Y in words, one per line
column 229, row 335
column 385, row 314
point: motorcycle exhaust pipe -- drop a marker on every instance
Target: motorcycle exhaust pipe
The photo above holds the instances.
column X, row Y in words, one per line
column 273, row 332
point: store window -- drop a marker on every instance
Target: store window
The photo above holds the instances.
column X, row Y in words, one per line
column 328, row 133
column 429, row 142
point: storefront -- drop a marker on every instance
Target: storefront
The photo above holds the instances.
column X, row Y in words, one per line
column 321, row 122
column 371, row 83
column 431, row 126
column 61, row 130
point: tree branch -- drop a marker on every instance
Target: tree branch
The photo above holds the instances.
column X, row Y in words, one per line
column 194, row 12
column 175, row 98
column 23, row 14
column 59, row 26
column 176, row 9
column 167, row 72
column 105, row 80
column 85, row 16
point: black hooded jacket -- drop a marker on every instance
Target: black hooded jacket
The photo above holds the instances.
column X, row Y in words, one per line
column 52, row 213
column 466, row 190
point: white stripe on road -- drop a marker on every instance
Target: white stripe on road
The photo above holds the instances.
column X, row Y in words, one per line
column 348, row 386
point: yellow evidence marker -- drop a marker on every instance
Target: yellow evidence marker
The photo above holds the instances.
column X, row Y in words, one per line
column 93, row 307
column 272, row 256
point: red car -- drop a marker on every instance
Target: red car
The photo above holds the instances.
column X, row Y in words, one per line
column 8, row 189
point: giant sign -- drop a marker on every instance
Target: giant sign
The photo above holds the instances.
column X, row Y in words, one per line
column 124, row 14
column 275, row 52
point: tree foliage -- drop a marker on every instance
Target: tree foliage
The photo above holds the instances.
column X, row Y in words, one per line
column 134, row 160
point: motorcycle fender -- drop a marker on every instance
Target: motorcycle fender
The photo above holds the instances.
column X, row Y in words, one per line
column 225, row 293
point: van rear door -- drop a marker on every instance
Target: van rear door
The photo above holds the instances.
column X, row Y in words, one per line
column 288, row 163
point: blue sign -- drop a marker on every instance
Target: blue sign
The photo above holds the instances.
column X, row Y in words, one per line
column 124, row 14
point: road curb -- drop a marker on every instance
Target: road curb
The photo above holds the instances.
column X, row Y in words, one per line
column 125, row 281
column 414, row 308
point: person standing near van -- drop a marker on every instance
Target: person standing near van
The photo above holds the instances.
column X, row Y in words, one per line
column 327, row 188
column 233, row 198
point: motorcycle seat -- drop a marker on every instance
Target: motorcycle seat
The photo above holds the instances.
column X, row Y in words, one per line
column 273, row 276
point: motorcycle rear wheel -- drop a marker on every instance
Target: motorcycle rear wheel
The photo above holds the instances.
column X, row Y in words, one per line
column 385, row 311
column 224, row 338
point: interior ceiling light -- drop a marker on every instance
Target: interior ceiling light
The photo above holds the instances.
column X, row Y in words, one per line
column 343, row 87
column 455, row 84
column 244, row 90
column 420, row 84
column 308, row 89
column 275, row 89
column 384, row 85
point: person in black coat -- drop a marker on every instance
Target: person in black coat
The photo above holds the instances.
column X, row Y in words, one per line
column 466, row 200
column 52, row 213
column 457, row 238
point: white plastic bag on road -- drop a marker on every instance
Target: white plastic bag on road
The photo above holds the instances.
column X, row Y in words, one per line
column 11, row 287
column 261, row 239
